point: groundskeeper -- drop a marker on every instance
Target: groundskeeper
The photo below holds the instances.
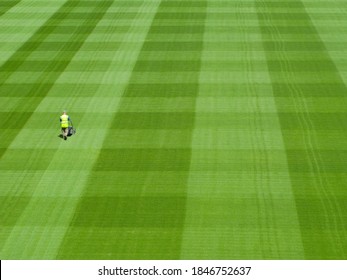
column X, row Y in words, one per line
column 64, row 123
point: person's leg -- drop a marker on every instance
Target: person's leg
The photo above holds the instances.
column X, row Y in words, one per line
column 65, row 130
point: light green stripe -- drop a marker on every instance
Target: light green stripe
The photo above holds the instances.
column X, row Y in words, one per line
column 240, row 203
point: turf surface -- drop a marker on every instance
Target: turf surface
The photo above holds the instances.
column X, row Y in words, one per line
column 206, row 129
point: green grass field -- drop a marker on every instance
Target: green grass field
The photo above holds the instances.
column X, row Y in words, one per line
column 206, row 129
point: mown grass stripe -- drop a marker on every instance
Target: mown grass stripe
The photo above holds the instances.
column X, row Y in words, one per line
column 142, row 226
column 42, row 225
column 54, row 66
column 240, row 203
column 323, row 219
column 67, row 47
column 5, row 6
column 15, row 121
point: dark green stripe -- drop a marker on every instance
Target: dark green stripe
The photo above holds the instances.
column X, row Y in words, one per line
column 7, row 5
column 317, row 186
column 11, row 209
column 148, row 222
column 61, row 53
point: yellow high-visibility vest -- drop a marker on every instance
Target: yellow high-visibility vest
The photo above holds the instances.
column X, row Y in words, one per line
column 64, row 121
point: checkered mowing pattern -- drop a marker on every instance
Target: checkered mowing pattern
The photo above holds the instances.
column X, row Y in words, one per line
column 206, row 129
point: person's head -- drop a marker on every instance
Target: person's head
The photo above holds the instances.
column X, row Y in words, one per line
column 64, row 112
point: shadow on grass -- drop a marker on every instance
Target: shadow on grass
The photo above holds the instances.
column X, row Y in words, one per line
column 71, row 133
